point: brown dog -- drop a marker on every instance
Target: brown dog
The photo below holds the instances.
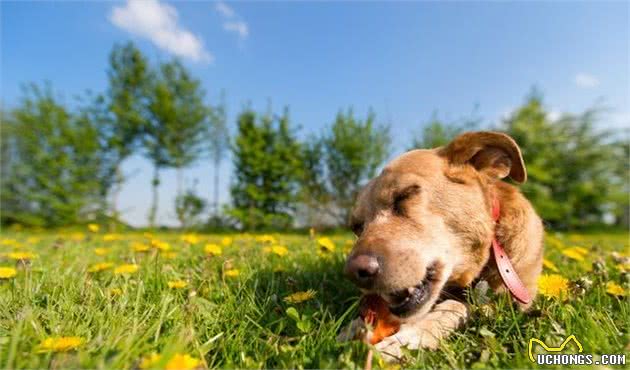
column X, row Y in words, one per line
column 425, row 225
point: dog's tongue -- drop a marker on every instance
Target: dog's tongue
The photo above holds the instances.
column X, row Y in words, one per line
column 375, row 312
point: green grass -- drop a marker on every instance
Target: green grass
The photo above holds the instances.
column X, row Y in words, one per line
column 241, row 322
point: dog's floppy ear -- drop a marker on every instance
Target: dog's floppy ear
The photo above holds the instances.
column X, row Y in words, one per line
column 493, row 153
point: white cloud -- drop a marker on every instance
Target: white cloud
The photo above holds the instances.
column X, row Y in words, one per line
column 232, row 22
column 238, row 27
column 159, row 23
column 225, row 10
column 554, row 115
column 586, row 80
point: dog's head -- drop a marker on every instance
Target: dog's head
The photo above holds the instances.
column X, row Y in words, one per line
column 426, row 220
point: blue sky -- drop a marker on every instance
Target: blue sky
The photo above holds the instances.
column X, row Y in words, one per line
column 405, row 60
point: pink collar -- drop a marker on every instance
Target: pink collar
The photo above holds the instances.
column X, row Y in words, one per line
column 506, row 270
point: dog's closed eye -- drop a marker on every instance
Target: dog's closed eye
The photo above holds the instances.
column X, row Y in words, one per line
column 356, row 227
column 401, row 196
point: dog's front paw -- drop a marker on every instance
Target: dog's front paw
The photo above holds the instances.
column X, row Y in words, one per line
column 390, row 348
column 409, row 337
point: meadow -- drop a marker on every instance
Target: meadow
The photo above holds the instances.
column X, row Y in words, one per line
column 90, row 299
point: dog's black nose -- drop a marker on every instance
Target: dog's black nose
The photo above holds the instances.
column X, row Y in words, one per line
column 363, row 269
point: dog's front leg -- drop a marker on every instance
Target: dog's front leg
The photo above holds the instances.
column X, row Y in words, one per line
column 427, row 331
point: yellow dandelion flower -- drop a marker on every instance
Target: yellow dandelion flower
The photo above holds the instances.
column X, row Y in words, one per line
column 615, row 289
column 581, row 250
column 139, row 247
column 575, row 253
column 128, row 268
column 98, row 267
column 101, row 251
column 213, row 249
column 182, row 362
column 168, row 255
column 623, row 267
column 111, row 237
column 554, row 285
column 22, row 256
column 9, row 242
column 190, row 238
column 115, row 291
column 93, row 227
column 553, row 241
column 232, row 273
column 266, row 238
column 7, row 272
column 160, row 245
column 32, row 240
column 77, row 237
column 279, row 269
column 300, row 297
column 177, row 284
column 60, row 344
column 586, row 266
column 227, row 241
column 280, row 250
column 150, row 361
column 326, row 245
column 550, row 265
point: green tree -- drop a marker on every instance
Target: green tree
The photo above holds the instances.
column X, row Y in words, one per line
column 93, row 112
column 189, row 207
column 341, row 161
column 314, row 194
column 177, row 124
column 621, row 180
column 9, row 203
column 50, row 174
column 154, row 141
column 267, row 168
column 574, row 179
column 437, row 132
column 218, row 146
column 122, row 111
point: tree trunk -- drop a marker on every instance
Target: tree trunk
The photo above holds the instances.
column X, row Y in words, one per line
column 216, row 187
column 117, row 189
column 180, row 194
column 154, row 206
column 180, row 180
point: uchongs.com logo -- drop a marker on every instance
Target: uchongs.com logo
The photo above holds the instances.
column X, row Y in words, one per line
column 555, row 357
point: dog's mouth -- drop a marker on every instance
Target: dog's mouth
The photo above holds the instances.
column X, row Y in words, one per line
column 407, row 301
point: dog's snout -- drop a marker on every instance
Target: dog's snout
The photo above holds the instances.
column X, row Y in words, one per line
column 363, row 269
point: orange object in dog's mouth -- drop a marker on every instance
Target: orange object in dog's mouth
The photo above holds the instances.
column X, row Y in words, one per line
column 374, row 312
column 405, row 302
